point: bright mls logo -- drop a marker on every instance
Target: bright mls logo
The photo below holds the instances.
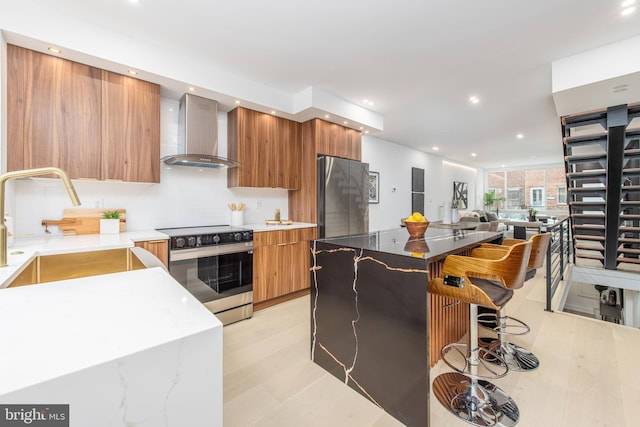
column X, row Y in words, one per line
column 34, row 415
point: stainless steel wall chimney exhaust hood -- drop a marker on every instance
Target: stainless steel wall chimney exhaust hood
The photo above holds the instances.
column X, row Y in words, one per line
column 198, row 135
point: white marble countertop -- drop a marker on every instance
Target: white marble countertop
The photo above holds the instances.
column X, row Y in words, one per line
column 261, row 226
column 25, row 249
column 53, row 329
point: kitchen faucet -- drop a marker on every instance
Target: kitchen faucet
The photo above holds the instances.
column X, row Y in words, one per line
column 23, row 174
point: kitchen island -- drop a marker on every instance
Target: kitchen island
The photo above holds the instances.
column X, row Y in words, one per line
column 127, row 348
column 372, row 320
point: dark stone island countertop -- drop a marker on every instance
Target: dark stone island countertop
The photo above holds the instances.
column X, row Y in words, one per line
column 436, row 244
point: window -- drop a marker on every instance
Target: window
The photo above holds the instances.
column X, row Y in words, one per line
column 514, row 198
column 562, row 195
column 537, row 197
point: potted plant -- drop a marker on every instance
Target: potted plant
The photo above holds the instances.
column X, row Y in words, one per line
column 532, row 214
column 491, row 199
column 110, row 222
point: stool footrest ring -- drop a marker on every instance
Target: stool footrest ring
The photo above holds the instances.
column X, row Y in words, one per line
column 468, row 363
column 503, row 325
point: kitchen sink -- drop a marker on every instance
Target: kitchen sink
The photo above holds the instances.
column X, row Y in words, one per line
column 51, row 268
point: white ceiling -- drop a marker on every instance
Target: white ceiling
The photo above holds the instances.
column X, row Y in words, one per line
column 419, row 61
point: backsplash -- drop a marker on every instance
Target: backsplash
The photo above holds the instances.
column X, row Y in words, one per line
column 186, row 196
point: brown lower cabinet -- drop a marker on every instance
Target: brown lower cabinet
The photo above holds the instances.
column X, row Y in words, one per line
column 281, row 262
column 160, row 248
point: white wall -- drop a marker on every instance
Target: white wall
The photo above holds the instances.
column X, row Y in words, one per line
column 394, row 162
column 186, row 196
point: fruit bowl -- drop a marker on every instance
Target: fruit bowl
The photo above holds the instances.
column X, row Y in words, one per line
column 416, row 229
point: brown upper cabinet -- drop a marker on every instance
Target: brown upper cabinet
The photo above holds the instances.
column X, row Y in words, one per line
column 92, row 123
column 335, row 140
column 267, row 147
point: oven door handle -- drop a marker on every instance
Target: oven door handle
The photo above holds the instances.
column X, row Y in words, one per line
column 195, row 253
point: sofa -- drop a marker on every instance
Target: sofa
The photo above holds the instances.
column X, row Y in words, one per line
column 481, row 216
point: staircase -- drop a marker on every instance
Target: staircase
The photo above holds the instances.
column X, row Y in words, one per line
column 602, row 164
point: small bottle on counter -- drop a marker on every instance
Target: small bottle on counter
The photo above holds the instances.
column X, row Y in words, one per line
column 277, row 218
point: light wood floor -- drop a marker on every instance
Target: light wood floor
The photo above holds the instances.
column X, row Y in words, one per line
column 588, row 376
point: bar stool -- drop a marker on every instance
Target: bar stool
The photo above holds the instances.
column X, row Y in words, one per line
column 466, row 393
column 518, row 358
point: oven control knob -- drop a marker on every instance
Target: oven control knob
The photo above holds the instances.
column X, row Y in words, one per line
column 191, row 241
column 246, row 235
column 180, row 242
column 216, row 239
column 237, row 236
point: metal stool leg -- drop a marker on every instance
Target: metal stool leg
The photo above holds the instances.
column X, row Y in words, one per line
column 471, row 399
column 517, row 358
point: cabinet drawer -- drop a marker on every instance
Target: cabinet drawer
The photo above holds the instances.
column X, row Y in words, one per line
column 265, row 238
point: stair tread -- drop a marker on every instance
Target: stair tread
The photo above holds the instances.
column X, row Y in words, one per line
column 602, row 203
column 586, row 189
column 589, row 248
column 591, row 172
column 578, row 157
column 629, row 251
column 628, row 240
column 592, row 137
column 589, row 226
column 629, row 260
column 590, row 256
column 587, row 237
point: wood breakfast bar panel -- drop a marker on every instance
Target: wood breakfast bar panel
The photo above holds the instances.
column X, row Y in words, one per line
column 373, row 323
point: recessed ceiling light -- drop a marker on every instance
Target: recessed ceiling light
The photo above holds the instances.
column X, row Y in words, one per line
column 361, row 127
column 54, row 50
column 367, row 102
column 273, row 112
column 473, row 154
column 345, row 122
column 133, row 72
column 627, row 3
column 192, row 89
column 628, row 11
column 503, row 166
column 326, row 116
column 474, row 99
column 436, row 148
column 133, row 1
column 519, row 136
column 366, row 131
column 237, row 101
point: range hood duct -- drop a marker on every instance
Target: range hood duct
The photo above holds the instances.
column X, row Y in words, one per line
column 198, row 135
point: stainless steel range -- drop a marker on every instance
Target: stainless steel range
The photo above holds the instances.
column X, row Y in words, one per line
column 215, row 264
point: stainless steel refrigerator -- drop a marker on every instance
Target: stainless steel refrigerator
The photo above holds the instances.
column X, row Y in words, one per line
column 343, row 197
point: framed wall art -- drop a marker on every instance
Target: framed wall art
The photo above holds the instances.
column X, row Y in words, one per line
column 374, row 187
column 460, row 194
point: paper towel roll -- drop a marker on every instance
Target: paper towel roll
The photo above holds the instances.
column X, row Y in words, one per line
column 447, row 212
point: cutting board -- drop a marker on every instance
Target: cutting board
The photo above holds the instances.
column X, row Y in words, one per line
column 84, row 221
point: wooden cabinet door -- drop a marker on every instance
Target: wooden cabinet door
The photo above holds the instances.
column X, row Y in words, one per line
column 264, row 273
column 281, row 262
column 267, row 147
column 53, row 114
column 299, row 264
column 159, row 248
column 335, row 140
column 130, row 129
column 288, row 154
